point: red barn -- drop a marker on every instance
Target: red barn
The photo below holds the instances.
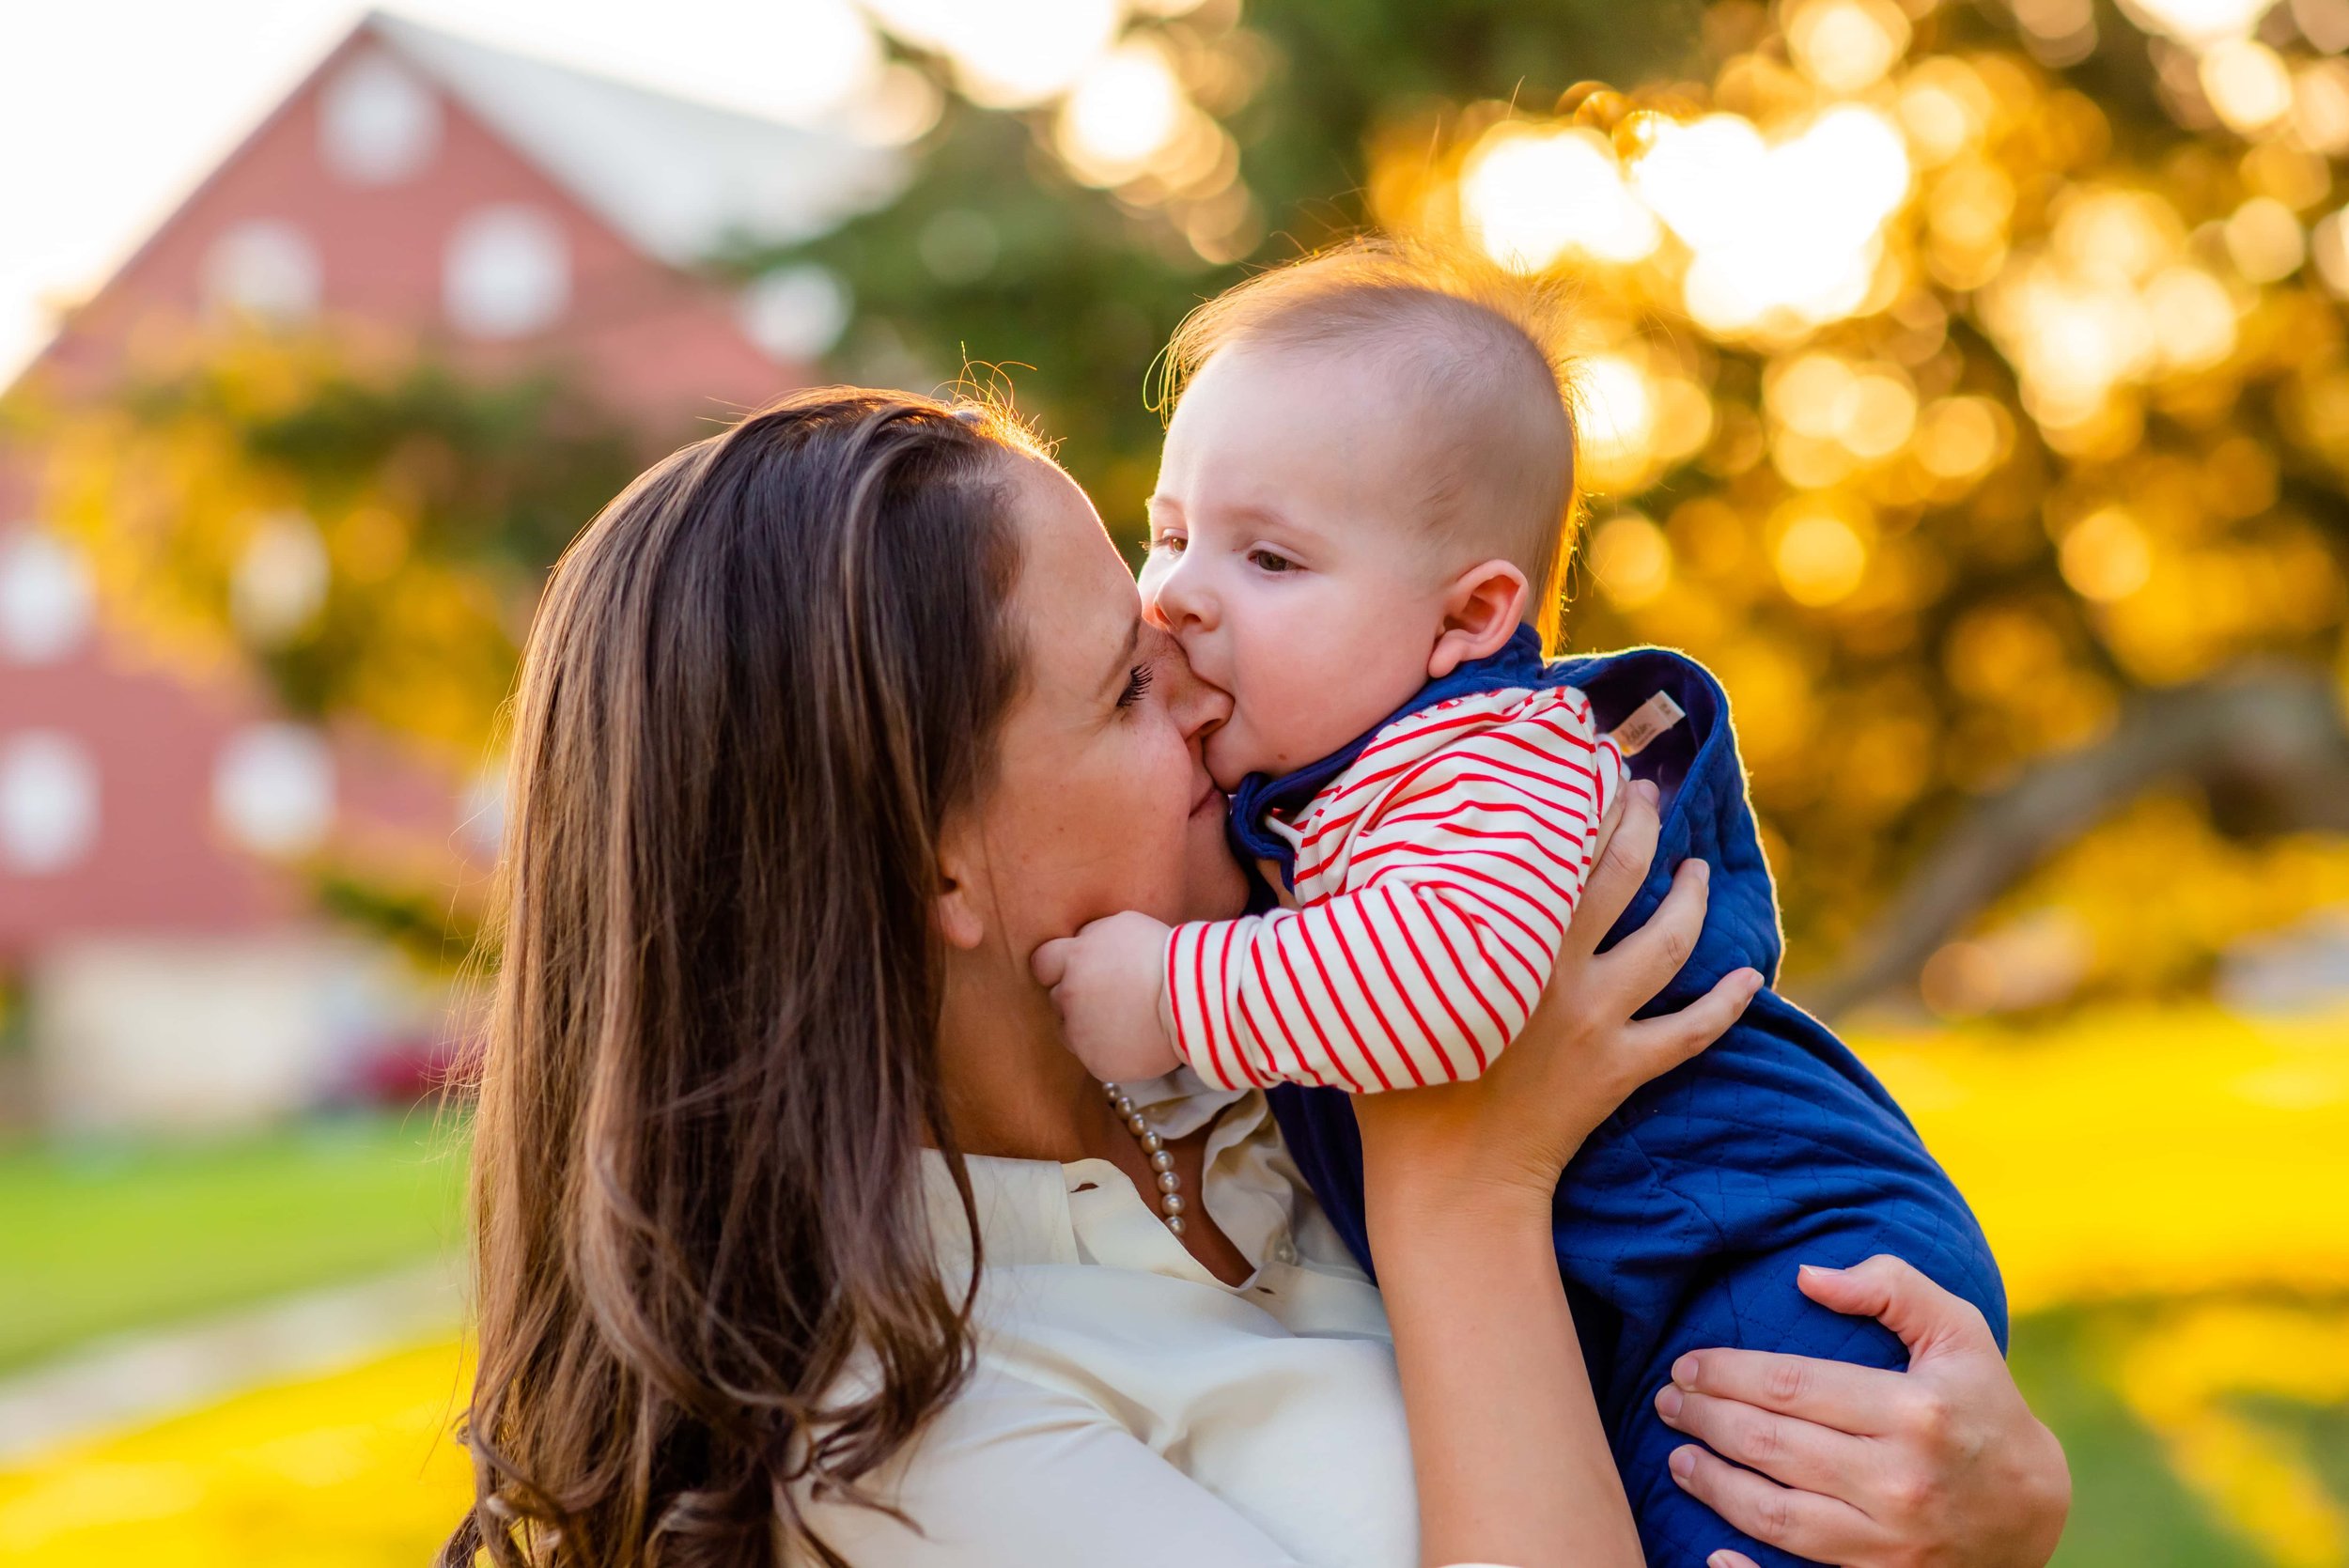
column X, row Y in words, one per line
column 498, row 211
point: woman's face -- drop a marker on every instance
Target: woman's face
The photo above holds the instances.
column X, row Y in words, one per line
column 1100, row 800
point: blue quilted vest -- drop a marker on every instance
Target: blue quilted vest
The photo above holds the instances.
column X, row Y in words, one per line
column 1680, row 1224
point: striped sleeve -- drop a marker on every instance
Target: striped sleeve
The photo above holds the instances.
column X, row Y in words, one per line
column 1454, row 878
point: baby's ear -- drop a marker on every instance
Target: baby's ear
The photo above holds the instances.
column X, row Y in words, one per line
column 1482, row 610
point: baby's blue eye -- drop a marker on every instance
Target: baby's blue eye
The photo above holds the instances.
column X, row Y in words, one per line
column 1266, row 560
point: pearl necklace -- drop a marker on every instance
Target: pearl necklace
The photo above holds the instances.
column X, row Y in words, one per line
column 1161, row 1157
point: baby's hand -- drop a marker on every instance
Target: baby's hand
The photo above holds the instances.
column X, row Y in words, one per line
column 1106, row 981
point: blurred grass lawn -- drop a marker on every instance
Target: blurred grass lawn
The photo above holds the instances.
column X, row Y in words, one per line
column 2168, row 1191
column 97, row 1237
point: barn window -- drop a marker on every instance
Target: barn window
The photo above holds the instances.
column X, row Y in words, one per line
column 44, row 598
column 795, row 314
column 265, row 268
column 48, row 802
column 378, row 125
column 273, row 788
column 507, row 273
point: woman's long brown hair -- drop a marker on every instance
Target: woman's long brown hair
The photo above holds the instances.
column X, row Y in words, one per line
column 757, row 682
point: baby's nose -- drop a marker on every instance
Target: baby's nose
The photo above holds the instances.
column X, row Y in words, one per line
column 1179, row 602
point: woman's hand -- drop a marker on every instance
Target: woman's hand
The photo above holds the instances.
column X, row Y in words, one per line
column 1939, row 1466
column 1513, row 1131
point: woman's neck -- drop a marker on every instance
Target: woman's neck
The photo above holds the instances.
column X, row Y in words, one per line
column 1013, row 1089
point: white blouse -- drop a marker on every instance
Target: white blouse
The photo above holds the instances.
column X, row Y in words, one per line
column 1128, row 1407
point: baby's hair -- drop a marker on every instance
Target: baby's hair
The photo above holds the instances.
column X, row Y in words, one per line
column 1483, row 349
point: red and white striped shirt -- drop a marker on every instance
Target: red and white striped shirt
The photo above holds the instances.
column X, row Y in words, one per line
column 1434, row 878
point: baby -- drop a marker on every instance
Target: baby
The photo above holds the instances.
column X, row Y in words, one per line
column 1358, row 533
column 1364, row 501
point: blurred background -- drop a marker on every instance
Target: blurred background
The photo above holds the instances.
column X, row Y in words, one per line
column 1966, row 383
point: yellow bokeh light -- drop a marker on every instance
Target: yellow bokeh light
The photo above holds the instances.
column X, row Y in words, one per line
column 2292, row 173
column 1784, row 235
column 1682, row 418
column 1876, row 413
column 1959, row 438
column 1820, row 559
column 1846, row 45
column 2193, row 318
column 2199, row 21
column 2109, row 302
column 1868, row 410
column 2320, row 106
column 1531, row 196
column 1005, row 54
column 1944, row 107
column 1127, row 109
column 2104, row 556
column 2246, row 85
column 1703, row 179
column 2328, row 247
column 1632, row 560
column 2114, row 236
column 1811, row 462
column 2064, row 32
column 1614, row 415
column 1804, row 392
column 2263, row 240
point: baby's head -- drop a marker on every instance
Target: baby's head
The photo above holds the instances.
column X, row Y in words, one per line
column 1367, row 482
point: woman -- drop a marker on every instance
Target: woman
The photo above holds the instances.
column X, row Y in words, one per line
column 802, row 1238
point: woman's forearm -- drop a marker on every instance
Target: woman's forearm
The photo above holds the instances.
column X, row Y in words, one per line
column 1511, row 1459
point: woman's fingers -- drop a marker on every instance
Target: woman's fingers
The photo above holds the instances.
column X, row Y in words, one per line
column 1665, row 1041
column 1835, row 1394
column 1789, row 1451
column 1927, row 1318
column 1727, row 1558
column 1645, row 962
column 1802, row 1523
column 1626, row 848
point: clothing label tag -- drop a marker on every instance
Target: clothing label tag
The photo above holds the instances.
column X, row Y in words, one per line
column 1644, row 723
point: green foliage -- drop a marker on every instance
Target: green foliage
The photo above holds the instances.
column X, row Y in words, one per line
column 370, row 537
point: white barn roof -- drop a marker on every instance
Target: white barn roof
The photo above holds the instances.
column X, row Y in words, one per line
column 679, row 178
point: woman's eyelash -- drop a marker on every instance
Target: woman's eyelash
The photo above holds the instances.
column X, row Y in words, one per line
column 1137, row 684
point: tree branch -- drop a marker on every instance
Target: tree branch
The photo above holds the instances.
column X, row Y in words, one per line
column 2267, row 744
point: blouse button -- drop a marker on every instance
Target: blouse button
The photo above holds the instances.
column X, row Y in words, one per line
column 1284, row 1254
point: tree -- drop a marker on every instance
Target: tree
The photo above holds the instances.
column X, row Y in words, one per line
column 1966, row 384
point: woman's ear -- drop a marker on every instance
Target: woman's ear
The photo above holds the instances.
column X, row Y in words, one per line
column 1482, row 610
column 961, row 870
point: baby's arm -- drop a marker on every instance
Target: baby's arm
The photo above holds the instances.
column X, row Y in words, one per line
column 1458, row 892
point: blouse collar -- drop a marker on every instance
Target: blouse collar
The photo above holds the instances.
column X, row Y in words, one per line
column 1087, row 1211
